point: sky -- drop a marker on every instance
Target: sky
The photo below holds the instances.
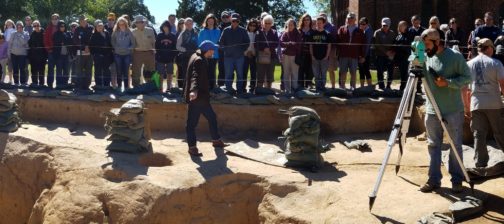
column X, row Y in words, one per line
column 160, row 9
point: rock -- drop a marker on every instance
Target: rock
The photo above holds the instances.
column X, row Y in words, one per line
column 9, row 114
column 466, row 208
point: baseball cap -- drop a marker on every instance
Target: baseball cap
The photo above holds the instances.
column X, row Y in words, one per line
column 351, row 15
column 111, row 16
column 82, row 17
column 485, row 42
column 431, row 34
column 235, row 16
column 208, row 45
column 224, row 14
column 386, row 21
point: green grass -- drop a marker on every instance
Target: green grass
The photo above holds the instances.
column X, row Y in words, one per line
column 373, row 75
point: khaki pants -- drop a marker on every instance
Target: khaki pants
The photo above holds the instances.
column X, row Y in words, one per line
column 290, row 73
column 142, row 58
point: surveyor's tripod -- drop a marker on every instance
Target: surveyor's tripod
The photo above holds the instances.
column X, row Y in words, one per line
column 401, row 126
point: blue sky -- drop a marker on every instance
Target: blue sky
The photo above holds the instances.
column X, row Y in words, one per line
column 160, row 9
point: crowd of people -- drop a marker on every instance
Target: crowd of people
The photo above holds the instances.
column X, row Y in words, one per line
column 308, row 51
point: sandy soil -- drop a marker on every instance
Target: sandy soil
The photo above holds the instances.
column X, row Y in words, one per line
column 336, row 194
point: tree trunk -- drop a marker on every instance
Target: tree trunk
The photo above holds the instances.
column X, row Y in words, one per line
column 339, row 9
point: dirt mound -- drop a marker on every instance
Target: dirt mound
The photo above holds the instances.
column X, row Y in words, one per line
column 48, row 184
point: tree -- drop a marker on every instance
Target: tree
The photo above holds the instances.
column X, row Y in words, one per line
column 281, row 10
column 70, row 10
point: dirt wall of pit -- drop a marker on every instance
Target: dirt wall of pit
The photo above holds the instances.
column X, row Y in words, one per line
column 361, row 115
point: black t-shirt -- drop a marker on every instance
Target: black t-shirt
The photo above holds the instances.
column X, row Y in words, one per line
column 322, row 39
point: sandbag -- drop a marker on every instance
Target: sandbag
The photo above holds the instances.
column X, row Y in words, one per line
column 307, row 94
column 4, row 95
column 466, row 208
column 336, row 92
column 261, row 91
column 133, row 135
column 12, row 127
column 436, row 218
column 132, row 106
column 6, row 106
column 120, row 146
column 363, row 91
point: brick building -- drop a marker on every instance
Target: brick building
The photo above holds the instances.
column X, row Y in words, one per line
column 465, row 11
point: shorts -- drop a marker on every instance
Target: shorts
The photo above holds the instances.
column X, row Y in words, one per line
column 164, row 69
column 347, row 64
column 333, row 60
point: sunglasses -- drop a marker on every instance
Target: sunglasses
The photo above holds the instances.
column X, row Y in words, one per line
column 225, row 17
column 235, row 21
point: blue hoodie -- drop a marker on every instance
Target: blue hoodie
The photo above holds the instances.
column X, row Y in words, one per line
column 211, row 35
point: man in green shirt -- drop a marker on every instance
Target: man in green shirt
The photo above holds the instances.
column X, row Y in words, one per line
column 447, row 74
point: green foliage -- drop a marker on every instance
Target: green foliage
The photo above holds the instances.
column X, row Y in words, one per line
column 281, row 10
column 70, row 9
column 322, row 5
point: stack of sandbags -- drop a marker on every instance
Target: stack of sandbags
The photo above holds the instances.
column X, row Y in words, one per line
column 302, row 138
column 9, row 115
column 126, row 128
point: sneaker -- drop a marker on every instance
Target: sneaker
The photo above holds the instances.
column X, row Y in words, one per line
column 219, row 144
column 427, row 188
column 457, row 188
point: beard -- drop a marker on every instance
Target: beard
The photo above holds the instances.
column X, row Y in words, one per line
column 432, row 52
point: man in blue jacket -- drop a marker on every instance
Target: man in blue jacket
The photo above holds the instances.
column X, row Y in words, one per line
column 234, row 41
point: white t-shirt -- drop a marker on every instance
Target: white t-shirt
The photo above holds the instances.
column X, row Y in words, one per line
column 485, row 74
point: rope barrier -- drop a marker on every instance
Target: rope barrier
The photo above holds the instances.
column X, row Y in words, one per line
column 254, row 42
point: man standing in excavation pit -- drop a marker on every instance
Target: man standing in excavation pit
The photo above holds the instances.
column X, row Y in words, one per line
column 447, row 75
column 197, row 96
column 483, row 101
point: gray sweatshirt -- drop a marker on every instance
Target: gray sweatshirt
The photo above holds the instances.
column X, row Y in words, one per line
column 123, row 42
column 18, row 44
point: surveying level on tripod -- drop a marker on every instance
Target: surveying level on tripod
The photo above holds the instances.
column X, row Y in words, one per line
column 440, row 83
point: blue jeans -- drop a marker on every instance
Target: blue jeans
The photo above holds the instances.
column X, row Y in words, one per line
column 232, row 64
column 122, row 63
column 194, row 110
column 61, row 71
column 19, row 68
column 454, row 124
column 250, row 64
column 320, row 72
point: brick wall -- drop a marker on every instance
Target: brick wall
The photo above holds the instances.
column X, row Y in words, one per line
column 464, row 10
